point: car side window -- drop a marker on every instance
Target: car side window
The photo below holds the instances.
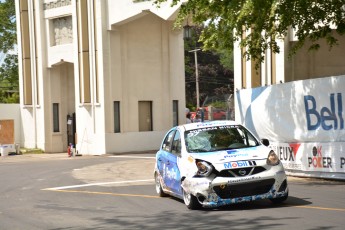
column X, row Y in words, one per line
column 168, row 141
column 176, row 146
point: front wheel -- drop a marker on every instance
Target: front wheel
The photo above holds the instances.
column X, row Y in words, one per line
column 159, row 189
column 279, row 199
column 191, row 201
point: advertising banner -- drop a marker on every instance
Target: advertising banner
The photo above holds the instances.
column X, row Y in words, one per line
column 308, row 114
column 325, row 160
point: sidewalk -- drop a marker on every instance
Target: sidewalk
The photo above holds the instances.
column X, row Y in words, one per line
column 60, row 156
column 33, row 156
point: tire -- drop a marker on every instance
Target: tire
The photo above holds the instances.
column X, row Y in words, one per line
column 191, row 201
column 159, row 189
column 279, row 200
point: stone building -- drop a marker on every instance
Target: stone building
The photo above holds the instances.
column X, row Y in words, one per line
column 106, row 76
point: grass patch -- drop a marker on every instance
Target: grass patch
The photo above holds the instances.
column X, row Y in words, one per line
column 31, row 151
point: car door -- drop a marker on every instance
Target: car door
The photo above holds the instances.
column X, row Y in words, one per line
column 163, row 158
column 167, row 162
column 173, row 160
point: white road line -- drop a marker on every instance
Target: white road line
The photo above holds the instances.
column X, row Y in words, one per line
column 126, row 156
column 96, row 184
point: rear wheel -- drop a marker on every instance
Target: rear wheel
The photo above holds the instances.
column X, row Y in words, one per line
column 159, row 189
column 191, row 201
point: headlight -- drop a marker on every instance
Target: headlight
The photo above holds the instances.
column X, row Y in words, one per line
column 204, row 168
column 272, row 158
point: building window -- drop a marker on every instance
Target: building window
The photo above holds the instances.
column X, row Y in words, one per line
column 145, row 116
column 117, row 128
column 175, row 112
column 56, row 125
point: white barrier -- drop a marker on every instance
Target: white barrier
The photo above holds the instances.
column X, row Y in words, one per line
column 6, row 149
column 324, row 160
column 304, row 121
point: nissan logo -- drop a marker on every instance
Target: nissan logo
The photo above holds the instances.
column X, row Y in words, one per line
column 242, row 172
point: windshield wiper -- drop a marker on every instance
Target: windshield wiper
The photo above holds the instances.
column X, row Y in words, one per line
column 198, row 150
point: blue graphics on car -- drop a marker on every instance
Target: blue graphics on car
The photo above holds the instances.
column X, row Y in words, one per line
column 218, row 163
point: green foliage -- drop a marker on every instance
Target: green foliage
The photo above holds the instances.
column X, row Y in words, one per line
column 8, row 35
column 267, row 21
column 9, row 98
column 219, row 104
column 9, row 84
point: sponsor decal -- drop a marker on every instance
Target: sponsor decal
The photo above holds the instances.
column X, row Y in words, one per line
column 170, row 173
column 238, row 164
column 233, row 151
column 190, row 159
column 319, row 161
column 328, row 118
column 244, row 179
column 287, row 154
column 342, row 162
column 237, row 155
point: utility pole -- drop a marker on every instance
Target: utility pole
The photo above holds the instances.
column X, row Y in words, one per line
column 196, row 77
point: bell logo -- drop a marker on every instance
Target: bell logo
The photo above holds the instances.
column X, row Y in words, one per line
column 328, row 117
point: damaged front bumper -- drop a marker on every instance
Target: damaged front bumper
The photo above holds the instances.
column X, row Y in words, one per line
column 218, row 191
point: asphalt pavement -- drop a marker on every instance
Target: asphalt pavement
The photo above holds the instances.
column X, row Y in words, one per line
column 142, row 162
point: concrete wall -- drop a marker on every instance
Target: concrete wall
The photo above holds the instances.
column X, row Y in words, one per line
column 12, row 112
column 314, row 64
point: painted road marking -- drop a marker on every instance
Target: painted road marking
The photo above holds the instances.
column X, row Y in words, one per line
column 136, row 157
column 98, row 184
column 157, row 197
column 66, row 190
column 319, row 208
column 104, row 193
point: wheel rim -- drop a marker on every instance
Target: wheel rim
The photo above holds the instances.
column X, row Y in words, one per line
column 158, row 184
column 186, row 197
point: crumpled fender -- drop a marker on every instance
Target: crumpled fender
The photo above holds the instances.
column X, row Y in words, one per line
column 197, row 185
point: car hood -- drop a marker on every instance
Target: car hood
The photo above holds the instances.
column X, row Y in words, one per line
column 220, row 159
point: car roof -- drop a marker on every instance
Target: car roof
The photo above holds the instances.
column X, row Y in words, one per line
column 205, row 124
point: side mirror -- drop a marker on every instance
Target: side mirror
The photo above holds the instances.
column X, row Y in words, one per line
column 265, row 142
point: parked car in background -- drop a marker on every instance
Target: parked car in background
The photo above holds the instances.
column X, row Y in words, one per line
column 216, row 114
column 218, row 163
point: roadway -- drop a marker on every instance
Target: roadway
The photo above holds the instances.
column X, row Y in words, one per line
column 54, row 191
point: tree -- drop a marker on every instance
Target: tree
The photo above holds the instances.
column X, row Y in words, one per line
column 215, row 76
column 267, row 21
column 9, row 83
column 8, row 35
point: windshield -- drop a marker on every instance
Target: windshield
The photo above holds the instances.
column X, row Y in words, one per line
column 219, row 138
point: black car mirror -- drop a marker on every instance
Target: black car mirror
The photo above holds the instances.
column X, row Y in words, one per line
column 265, row 142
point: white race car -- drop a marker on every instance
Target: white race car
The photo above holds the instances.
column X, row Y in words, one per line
column 212, row 164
